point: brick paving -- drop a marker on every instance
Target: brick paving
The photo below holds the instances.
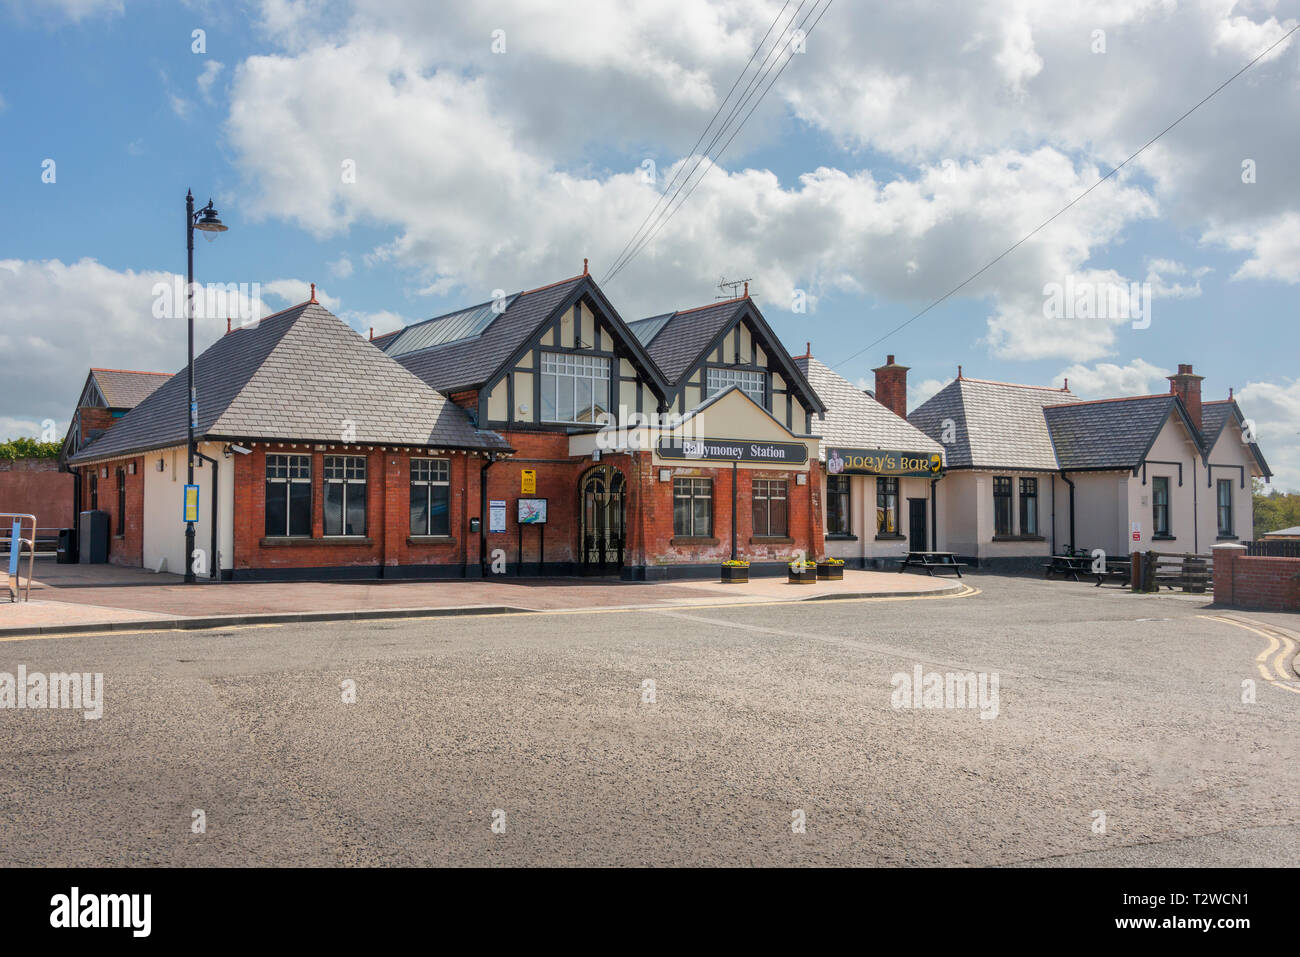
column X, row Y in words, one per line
column 84, row 594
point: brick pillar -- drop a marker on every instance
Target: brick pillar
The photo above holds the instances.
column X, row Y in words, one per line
column 395, row 520
column 1225, row 571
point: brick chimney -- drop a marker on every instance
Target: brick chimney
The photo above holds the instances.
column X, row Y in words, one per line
column 1187, row 386
column 891, row 387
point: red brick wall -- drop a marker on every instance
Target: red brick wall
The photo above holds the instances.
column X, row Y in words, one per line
column 387, row 514
column 1252, row 581
column 128, row 547
column 36, row 486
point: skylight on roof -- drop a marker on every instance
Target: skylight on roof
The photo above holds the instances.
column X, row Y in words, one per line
column 453, row 327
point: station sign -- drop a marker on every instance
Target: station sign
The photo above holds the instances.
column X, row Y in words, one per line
column 734, row 450
column 845, row 461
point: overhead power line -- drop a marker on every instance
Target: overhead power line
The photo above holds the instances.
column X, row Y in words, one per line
column 670, row 209
column 1032, row 232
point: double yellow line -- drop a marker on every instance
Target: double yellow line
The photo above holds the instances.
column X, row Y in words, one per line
column 1280, row 652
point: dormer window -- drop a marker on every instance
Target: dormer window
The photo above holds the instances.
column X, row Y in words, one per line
column 751, row 383
column 575, row 388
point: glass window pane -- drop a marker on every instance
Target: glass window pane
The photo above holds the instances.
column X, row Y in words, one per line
column 277, row 515
column 582, row 406
column 440, row 510
column 564, row 400
column 703, row 516
column 681, row 516
column 333, row 508
column 299, row 508
column 548, row 397
column 419, row 509
column 356, row 504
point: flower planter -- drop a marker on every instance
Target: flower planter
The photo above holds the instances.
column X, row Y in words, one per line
column 735, row 574
column 827, row 572
column 803, row 576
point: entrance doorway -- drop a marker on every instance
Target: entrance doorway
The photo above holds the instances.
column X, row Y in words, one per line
column 916, row 525
column 602, row 523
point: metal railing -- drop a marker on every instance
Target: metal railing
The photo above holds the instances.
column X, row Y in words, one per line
column 1274, row 547
column 13, row 522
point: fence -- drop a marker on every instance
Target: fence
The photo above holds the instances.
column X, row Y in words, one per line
column 1191, row 573
column 1274, row 548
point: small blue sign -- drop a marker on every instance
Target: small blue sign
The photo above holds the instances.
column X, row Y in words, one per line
column 191, row 507
column 14, row 549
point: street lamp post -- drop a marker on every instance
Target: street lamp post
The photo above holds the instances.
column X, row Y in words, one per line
column 206, row 220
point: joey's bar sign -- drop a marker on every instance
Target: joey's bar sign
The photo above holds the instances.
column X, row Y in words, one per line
column 734, row 450
column 882, row 462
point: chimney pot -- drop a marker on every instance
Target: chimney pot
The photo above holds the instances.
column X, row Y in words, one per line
column 746, row 290
column 313, row 293
column 889, row 360
column 227, row 325
column 1187, row 386
column 584, row 265
column 372, row 333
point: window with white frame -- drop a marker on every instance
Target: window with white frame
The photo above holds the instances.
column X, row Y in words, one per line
column 430, row 497
column 751, row 383
column 345, row 494
column 575, row 388
column 288, row 495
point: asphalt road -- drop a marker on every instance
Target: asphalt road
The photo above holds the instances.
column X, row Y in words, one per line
column 1107, row 702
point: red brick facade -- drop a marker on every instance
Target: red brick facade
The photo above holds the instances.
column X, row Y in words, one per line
column 388, row 549
column 36, row 487
column 1256, row 581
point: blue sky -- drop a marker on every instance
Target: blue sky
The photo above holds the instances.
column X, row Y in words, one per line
column 479, row 171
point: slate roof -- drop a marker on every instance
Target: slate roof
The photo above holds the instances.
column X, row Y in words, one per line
column 466, row 363
column 997, row 424
column 123, row 389
column 1215, row 417
column 297, row 375
column 1110, row 433
column 854, row 419
column 682, row 336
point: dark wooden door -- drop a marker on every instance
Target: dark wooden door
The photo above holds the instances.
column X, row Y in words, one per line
column 916, row 525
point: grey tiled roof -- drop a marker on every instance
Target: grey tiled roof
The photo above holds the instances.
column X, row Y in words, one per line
column 299, row 374
column 122, row 389
column 684, row 335
column 1112, row 433
column 471, row 362
column 1214, row 416
column 856, row 420
column 996, row 424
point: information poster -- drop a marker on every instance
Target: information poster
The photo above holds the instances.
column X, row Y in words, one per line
column 496, row 516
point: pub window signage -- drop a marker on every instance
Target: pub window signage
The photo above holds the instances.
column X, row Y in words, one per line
column 734, row 450
column 842, row 461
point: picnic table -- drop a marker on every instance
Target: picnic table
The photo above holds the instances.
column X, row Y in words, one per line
column 930, row 561
column 1076, row 565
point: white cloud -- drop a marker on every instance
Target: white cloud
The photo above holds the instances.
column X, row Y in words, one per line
column 11, row 428
column 293, row 291
column 1273, row 244
column 1275, row 410
column 211, row 70
column 381, row 321
column 919, row 392
column 1162, row 273
column 341, row 267
column 64, row 318
column 59, row 11
column 1106, row 380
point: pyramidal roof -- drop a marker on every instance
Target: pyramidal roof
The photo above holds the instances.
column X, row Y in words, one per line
column 993, row 424
column 299, row 375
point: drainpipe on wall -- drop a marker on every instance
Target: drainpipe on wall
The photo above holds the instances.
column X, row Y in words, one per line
column 483, row 515
column 735, row 475
column 1196, row 513
column 1053, row 514
column 1065, row 478
column 216, row 489
column 934, row 515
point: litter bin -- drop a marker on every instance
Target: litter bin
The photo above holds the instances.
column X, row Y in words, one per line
column 93, row 547
column 66, row 553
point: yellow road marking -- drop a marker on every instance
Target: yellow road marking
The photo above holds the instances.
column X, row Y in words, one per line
column 1280, row 643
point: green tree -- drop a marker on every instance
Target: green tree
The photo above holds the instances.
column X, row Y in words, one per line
column 1274, row 509
column 24, row 448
